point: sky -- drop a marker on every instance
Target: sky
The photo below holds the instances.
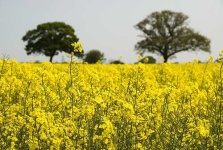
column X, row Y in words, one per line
column 105, row 25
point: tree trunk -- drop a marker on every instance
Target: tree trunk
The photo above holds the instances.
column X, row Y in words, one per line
column 165, row 54
column 51, row 58
column 165, row 59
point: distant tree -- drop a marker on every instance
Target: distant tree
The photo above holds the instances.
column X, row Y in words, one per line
column 218, row 60
column 166, row 33
column 93, row 56
column 117, row 62
column 199, row 61
column 37, row 62
column 148, row 60
column 50, row 38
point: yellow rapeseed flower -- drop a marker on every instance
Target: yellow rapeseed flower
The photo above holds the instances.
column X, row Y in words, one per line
column 139, row 57
column 77, row 46
column 109, row 106
column 146, row 59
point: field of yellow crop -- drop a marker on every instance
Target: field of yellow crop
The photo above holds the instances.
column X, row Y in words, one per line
column 117, row 107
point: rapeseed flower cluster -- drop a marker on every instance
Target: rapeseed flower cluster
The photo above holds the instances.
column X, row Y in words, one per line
column 83, row 106
column 77, row 46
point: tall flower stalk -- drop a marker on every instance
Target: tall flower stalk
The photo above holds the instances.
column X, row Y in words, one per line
column 77, row 48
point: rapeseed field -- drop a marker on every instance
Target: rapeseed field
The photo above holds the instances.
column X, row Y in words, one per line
column 116, row 107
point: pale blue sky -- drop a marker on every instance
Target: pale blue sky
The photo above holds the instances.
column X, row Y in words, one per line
column 106, row 25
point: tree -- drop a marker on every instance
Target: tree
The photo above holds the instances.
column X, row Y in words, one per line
column 93, row 56
column 50, row 39
column 147, row 60
column 117, row 62
column 167, row 33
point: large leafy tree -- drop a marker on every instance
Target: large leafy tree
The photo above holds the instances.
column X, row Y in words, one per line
column 167, row 33
column 50, row 38
column 93, row 56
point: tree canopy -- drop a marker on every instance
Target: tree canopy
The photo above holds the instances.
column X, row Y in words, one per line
column 50, row 38
column 93, row 56
column 166, row 33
